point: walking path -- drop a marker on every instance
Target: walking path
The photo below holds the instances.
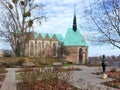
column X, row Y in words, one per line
column 84, row 75
column 9, row 82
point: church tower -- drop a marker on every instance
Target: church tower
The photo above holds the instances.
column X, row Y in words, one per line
column 75, row 44
column 74, row 21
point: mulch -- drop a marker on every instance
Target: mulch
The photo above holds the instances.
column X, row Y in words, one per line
column 2, row 77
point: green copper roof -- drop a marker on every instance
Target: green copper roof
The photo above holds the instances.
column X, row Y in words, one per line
column 60, row 37
column 74, row 38
column 50, row 35
column 36, row 35
column 43, row 35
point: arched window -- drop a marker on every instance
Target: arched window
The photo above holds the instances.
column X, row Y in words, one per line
column 39, row 48
column 80, row 55
column 31, row 49
column 54, row 49
column 46, row 44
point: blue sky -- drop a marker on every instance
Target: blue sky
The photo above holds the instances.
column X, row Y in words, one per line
column 60, row 17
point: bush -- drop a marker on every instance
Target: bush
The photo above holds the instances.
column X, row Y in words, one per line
column 46, row 76
column 20, row 62
column 7, row 65
column 69, row 63
column 4, row 64
column 2, row 70
column 113, row 70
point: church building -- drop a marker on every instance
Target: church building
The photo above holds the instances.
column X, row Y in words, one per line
column 74, row 44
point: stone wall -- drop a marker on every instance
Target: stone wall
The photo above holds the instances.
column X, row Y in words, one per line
column 72, row 54
column 36, row 48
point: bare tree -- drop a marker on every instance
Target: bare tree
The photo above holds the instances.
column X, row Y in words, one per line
column 105, row 14
column 17, row 18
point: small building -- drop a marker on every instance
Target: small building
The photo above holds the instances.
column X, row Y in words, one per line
column 75, row 44
column 76, row 47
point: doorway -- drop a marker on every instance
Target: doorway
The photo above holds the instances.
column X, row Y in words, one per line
column 80, row 56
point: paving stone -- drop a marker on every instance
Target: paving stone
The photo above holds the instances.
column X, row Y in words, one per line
column 9, row 83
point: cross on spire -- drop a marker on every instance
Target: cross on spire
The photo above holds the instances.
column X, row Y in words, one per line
column 74, row 20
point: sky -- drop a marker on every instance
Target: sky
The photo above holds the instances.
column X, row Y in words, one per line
column 59, row 15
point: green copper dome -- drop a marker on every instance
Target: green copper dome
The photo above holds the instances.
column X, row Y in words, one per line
column 74, row 38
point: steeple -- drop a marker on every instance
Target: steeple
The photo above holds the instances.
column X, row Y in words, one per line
column 74, row 21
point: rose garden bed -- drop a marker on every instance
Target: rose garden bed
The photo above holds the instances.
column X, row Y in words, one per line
column 45, row 79
column 42, row 85
column 112, row 74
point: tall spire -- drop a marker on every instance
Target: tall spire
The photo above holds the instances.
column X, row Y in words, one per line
column 74, row 21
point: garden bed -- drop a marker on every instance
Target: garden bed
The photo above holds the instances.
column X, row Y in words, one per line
column 41, row 85
column 67, row 69
column 45, row 79
column 114, row 84
column 112, row 74
column 115, row 75
column 3, row 70
column 2, row 77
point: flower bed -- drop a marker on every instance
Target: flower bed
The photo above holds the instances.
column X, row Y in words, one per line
column 41, row 85
column 114, row 84
column 2, row 70
column 115, row 75
column 44, row 79
column 67, row 69
column 2, row 77
column 112, row 74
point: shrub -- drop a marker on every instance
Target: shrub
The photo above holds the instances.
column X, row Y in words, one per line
column 113, row 70
column 6, row 65
column 20, row 62
column 29, row 75
column 2, row 70
column 48, row 76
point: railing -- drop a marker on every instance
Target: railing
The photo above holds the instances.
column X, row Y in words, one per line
column 115, row 64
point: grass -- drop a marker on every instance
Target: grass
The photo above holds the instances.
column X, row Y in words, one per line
column 67, row 64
